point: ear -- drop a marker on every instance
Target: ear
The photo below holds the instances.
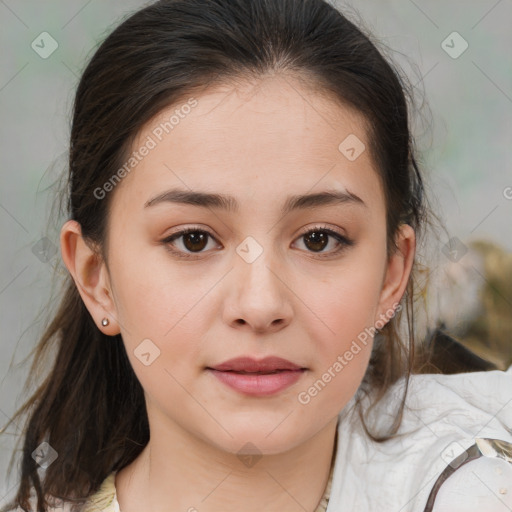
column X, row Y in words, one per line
column 90, row 275
column 396, row 276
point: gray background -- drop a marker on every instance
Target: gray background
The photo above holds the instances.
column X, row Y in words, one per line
column 466, row 142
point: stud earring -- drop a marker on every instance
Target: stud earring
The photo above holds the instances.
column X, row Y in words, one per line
column 104, row 322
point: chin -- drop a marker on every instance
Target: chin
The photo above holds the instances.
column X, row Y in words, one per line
column 259, row 440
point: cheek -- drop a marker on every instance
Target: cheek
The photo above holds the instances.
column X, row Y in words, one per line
column 155, row 301
column 147, row 287
column 340, row 364
column 161, row 317
column 344, row 302
column 341, row 332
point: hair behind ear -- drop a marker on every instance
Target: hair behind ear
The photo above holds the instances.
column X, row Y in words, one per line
column 90, row 402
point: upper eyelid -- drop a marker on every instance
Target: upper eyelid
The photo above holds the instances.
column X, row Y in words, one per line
column 183, row 231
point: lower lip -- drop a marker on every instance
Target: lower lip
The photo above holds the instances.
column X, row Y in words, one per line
column 258, row 384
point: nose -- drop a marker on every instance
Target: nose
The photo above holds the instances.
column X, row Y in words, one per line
column 258, row 298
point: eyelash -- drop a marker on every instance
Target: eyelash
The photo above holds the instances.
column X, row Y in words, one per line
column 342, row 240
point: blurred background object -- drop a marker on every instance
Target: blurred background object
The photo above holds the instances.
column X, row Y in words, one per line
column 467, row 304
column 476, row 301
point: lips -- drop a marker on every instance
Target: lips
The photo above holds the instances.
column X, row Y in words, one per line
column 257, row 377
column 267, row 365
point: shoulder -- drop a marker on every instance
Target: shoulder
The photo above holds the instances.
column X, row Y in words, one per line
column 452, row 416
column 442, row 417
column 460, row 402
column 482, row 484
column 103, row 500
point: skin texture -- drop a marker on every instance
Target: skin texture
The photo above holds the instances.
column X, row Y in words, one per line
column 258, row 142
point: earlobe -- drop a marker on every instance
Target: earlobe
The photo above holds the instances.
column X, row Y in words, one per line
column 89, row 272
column 397, row 273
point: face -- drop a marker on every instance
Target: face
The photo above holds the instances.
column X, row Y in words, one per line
column 261, row 273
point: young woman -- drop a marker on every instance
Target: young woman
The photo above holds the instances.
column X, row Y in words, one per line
column 244, row 210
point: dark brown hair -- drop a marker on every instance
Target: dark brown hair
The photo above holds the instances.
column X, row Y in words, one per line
column 90, row 407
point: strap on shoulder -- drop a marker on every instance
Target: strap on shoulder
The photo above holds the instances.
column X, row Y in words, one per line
column 482, row 447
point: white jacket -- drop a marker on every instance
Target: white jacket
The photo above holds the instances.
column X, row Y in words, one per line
column 444, row 414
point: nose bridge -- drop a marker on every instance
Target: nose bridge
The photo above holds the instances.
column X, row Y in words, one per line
column 260, row 296
column 258, row 268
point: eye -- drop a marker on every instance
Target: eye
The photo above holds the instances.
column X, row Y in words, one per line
column 317, row 239
column 194, row 240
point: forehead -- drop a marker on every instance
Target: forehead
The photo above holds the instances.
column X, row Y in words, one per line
column 257, row 141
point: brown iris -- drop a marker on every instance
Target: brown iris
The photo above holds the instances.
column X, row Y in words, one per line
column 319, row 240
column 195, row 241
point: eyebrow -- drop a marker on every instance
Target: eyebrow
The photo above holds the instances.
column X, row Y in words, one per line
column 229, row 203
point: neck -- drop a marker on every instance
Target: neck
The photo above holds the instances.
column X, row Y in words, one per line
column 178, row 471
